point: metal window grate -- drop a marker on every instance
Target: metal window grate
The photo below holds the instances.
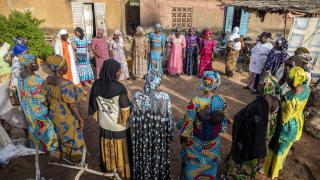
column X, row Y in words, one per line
column 182, row 17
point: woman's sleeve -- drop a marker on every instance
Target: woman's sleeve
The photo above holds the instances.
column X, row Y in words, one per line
column 184, row 42
column 125, row 109
column 288, row 110
column 186, row 125
column 37, row 83
column 69, row 94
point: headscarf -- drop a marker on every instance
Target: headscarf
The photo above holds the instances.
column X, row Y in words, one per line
column 107, row 85
column 117, row 32
column 301, row 50
column 283, row 42
column 305, row 57
column 269, row 85
column 210, row 80
column 298, row 75
column 100, row 30
column 158, row 25
column 153, row 80
column 18, row 49
column 61, row 33
column 26, row 59
column 235, row 34
column 140, row 30
column 55, row 62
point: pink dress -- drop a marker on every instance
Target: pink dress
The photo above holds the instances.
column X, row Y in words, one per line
column 207, row 47
column 102, row 49
column 176, row 46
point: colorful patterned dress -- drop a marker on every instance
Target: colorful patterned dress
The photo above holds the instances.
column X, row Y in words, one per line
column 200, row 158
column 83, row 63
column 40, row 127
column 206, row 50
column 118, row 55
column 67, row 126
column 140, row 56
column 156, row 44
column 191, row 62
column 290, row 131
column 102, row 49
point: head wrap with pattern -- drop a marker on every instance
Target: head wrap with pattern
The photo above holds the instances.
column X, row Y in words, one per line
column 210, row 80
column 298, row 75
column 305, row 57
column 55, row 62
column 283, row 42
column 153, row 80
column 19, row 49
column 26, row 59
column 100, row 30
column 269, row 85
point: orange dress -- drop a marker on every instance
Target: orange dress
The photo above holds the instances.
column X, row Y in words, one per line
column 66, row 56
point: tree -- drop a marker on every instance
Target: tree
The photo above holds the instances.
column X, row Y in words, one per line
column 20, row 24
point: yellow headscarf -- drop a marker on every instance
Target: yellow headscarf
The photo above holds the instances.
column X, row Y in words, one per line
column 55, row 62
column 298, row 75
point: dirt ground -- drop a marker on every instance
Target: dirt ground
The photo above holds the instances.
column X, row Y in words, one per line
column 302, row 163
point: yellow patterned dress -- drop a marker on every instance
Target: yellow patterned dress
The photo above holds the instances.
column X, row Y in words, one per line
column 291, row 131
column 69, row 133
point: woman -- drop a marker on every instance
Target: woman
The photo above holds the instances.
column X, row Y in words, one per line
column 101, row 49
column 258, row 59
column 63, row 48
column 149, row 107
column 252, row 130
column 109, row 99
column 33, row 103
column 82, row 55
column 233, row 51
column 177, row 45
column 190, row 61
column 290, row 128
column 63, row 98
column 157, row 46
column 9, row 112
column 277, row 56
column 200, row 129
column 140, row 48
column 206, row 52
column 117, row 53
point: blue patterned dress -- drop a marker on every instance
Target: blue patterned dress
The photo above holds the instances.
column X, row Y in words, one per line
column 83, row 63
column 40, row 127
column 156, row 42
column 200, row 158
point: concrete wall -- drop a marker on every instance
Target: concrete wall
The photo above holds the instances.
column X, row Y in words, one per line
column 58, row 14
column 206, row 13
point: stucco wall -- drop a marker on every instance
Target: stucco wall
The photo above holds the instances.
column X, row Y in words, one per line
column 206, row 13
column 58, row 14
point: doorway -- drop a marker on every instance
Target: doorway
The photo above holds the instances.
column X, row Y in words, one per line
column 89, row 20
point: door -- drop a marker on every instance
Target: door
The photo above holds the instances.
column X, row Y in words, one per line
column 77, row 14
column 100, row 13
column 244, row 22
column 228, row 22
column 88, row 19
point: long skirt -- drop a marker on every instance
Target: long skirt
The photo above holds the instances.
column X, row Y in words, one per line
column 139, row 65
column 253, row 81
column 231, row 62
column 205, row 64
column 114, row 152
column 84, row 68
column 200, row 161
column 241, row 171
column 191, row 62
column 99, row 63
column 124, row 68
column 276, row 157
column 155, row 61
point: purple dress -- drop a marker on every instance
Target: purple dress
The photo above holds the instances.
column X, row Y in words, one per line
column 190, row 62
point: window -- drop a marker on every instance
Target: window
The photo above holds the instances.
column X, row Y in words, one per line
column 182, row 17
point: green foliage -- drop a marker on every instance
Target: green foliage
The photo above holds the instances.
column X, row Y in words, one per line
column 20, row 24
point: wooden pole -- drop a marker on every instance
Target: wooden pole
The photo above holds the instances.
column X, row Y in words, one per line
column 285, row 24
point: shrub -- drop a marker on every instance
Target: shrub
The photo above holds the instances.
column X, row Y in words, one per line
column 20, row 24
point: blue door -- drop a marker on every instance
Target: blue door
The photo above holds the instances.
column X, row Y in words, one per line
column 244, row 23
column 228, row 19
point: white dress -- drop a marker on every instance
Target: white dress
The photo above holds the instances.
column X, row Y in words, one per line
column 118, row 55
